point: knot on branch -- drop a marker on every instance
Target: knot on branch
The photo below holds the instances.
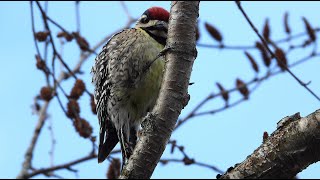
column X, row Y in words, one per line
column 287, row 120
column 147, row 123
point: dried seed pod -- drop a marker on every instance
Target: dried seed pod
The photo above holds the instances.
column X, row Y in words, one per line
column 265, row 136
column 311, row 33
column 181, row 148
column 93, row 105
column 77, row 89
column 242, row 87
column 82, row 127
column 281, row 59
column 173, row 145
column 69, row 37
column 42, row 35
column 213, row 32
column 253, row 62
column 81, row 41
column 188, row 161
column 164, row 162
column 61, row 34
column 197, row 32
column 286, row 23
column 264, row 54
column 224, row 93
column 114, row 169
column 41, row 65
column 266, row 30
column 260, row 46
column 73, row 109
column 46, row 93
column 66, row 35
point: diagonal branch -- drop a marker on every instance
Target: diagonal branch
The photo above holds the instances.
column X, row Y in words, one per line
column 290, row 149
column 29, row 154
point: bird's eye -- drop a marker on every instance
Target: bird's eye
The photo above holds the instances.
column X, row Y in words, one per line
column 144, row 20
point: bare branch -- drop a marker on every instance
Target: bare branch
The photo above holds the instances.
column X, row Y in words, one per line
column 287, row 151
column 29, row 154
column 273, row 55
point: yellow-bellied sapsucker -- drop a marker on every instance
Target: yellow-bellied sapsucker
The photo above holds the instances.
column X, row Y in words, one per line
column 127, row 81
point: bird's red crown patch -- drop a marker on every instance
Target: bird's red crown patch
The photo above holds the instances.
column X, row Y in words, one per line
column 158, row 13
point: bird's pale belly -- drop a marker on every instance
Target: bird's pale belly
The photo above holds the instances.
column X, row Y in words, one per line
column 144, row 97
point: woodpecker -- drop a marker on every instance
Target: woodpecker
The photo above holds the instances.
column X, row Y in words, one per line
column 127, row 76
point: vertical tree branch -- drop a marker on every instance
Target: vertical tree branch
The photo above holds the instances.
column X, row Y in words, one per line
column 159, row 124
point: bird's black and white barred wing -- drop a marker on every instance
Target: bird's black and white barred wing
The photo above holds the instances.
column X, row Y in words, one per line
column 107, row 83
column 108, row 135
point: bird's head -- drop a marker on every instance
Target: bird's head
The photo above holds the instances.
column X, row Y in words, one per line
column 155, row 22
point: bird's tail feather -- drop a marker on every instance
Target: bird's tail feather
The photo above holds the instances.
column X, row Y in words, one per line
column 108, row 140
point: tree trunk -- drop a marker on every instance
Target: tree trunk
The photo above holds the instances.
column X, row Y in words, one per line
column 159, row 124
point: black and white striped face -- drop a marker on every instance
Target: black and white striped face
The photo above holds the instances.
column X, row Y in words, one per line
column 155, row 22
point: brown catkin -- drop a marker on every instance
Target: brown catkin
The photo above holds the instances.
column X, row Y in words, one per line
column 46, row 93
column 264, row 54
column 82, row 126
column 78, row 89
column 42, row 35
column 310, row 31
column 265, row 136
column 73, row 109
column 282, row 60
column 114, row 169
column 266, row 30
column 213, row 32
column 41, row 65
column 66, row 35
column 286, row 23
column 81, row 41
column 254, row 65
column 242, row 88
column 224, row 93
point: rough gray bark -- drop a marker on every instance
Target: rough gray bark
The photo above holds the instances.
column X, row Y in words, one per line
column 159, row 124
column 287, row 151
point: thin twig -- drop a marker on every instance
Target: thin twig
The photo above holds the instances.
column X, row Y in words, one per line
column 273, row 55
column 67, row 165
column 125, row 8
column 53, row 142
column 78, row 16
column 62, row 166
column 247, row 47
column 33, row 30
column 257, row 80
column 186, row 160
column 102, row 42
column 164, row 161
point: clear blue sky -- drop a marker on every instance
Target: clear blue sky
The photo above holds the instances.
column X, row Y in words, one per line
column 222, row 140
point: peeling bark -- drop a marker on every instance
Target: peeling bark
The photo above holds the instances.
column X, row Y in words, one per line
column 159, row 124
column 290, row 149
